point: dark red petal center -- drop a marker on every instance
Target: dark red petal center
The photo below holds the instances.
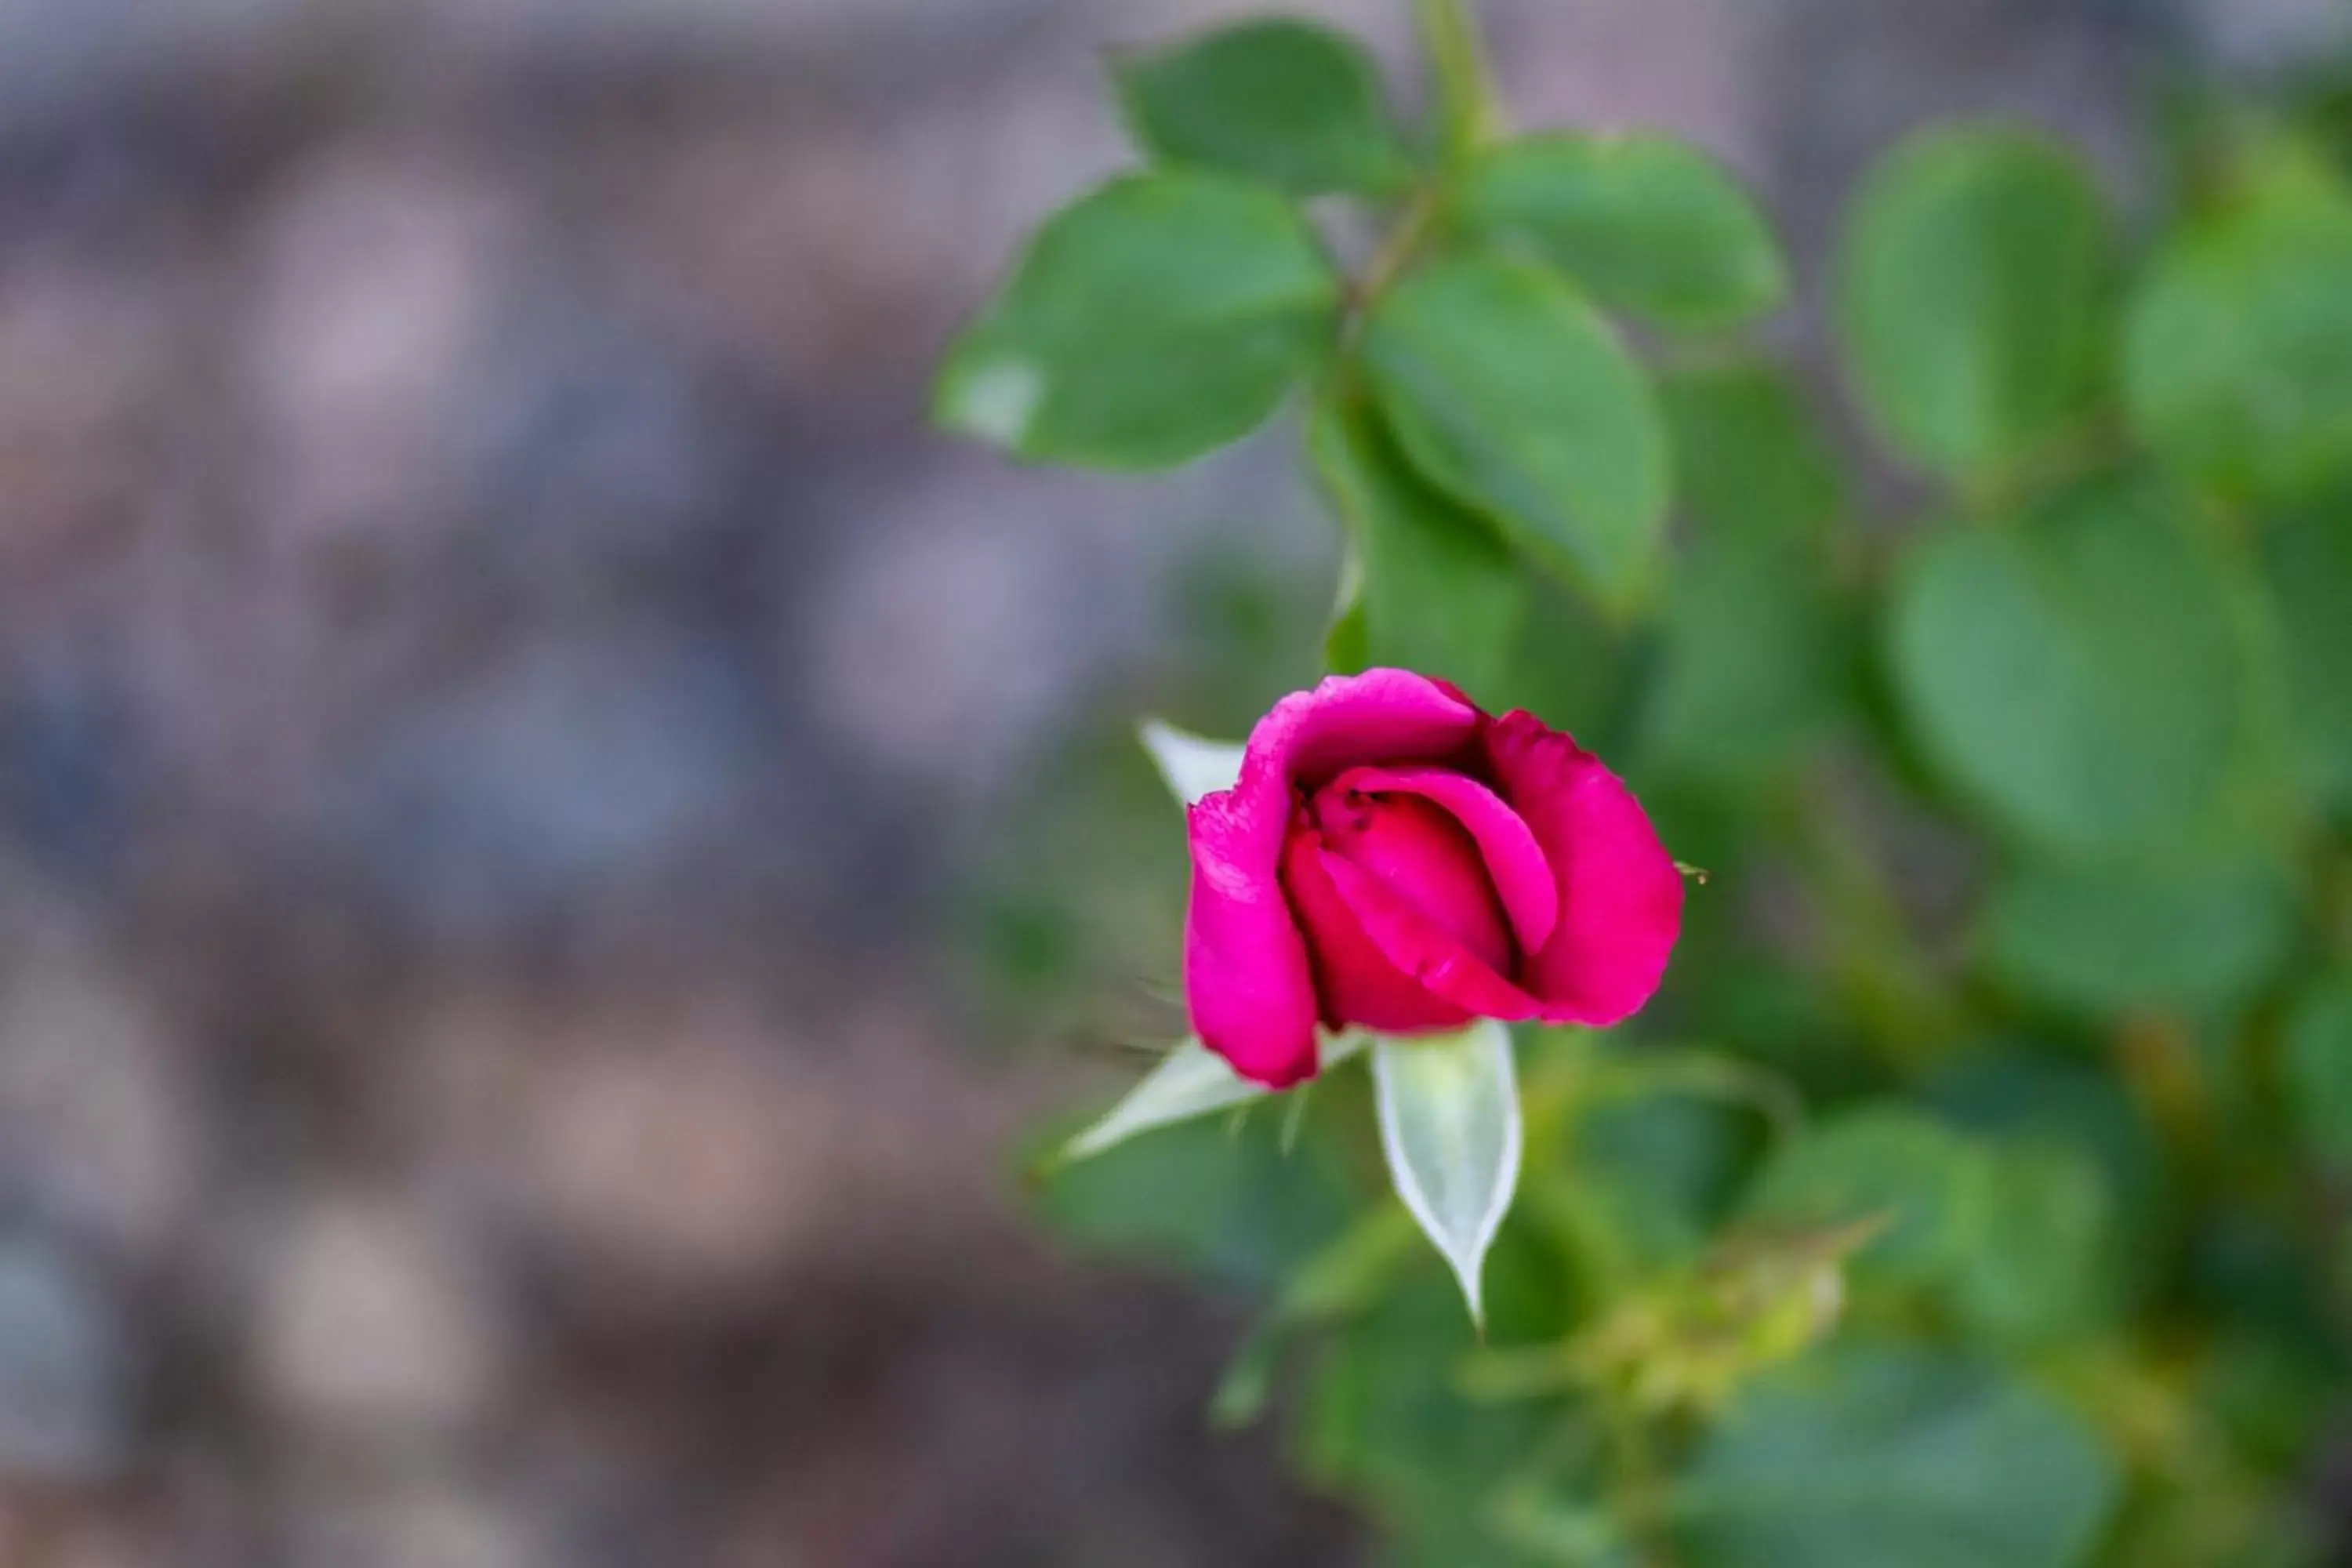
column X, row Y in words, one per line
column 1422, row 856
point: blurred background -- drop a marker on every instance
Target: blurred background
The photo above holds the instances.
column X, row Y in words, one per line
column 556, row 843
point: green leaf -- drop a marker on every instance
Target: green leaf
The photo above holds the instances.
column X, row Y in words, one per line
column 1755, row 661
column 2201, row 939
column 1449, row 1114
column 1347, row 1278
column 1750, row 457
column 1757, row 647
column 2274, row 1396
column 1885, row 1163
column 1970, row 287
column 1868, row 1456
column 1647, row 224
column 1248, row 1386
column 2236, row 1517
column 2306, row 564
column 2029, row 1097
column 1436, row 591
column 2081, row 672
column 1191, row 1081
column 1217, row 1196
column 2319, row 1062
column 1569, row 665
column 1278, row 100
column 1384, row 1418
column 1506, row 389
column 1159, row 317
column 1349, row 1274
column 1347, row 644
column 1684, row 1156
column 2237, row 365
column 2041, row 1271
column 1193, row 764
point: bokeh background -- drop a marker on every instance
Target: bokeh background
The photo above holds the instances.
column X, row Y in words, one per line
column 556, row 843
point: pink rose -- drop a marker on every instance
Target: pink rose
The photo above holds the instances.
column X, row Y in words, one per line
column 1392, row 858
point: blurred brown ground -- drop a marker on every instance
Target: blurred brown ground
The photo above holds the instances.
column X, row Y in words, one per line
column 499, row 690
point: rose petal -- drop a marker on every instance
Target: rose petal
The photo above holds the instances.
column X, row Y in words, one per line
column 1357, row 982
column 1246, row 980
column 1423, row 953
column 1514, row 861
column 1620, row 897
column 1379, row 716
column 1417, row 851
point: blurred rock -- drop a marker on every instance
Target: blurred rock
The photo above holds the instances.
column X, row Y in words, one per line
column 557, row 776
column 604, row 462
column 1687, row 65
column 73, row 770
column 65, row 1379
column 100, row 1129
column 59, row 55
column 2267, row 37
column 51, row 1532
column 370, row 1323
column 418, row 1525
column 939, row 648
column 88, row 355
column 369, row 297
column 826, row 258
column 1846, row 78
column 680, row 1155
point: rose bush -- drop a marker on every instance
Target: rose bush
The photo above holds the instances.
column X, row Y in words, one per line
column 2005, row 1116
column 1394, row 859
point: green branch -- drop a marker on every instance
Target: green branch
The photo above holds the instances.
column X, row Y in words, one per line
column 1468, row 111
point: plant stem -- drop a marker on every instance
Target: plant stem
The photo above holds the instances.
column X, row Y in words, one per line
column 1467, row 112
column 1873, row 958
column 1637, row 1496
column 1395, row 251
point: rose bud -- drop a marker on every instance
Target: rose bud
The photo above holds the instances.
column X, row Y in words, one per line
column 1393, row 858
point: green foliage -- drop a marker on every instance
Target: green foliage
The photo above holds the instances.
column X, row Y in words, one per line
column 1384, row 1419
column 1756, row 637
column 1750, row 455
column 1972, row 1192
column 2240, row 364
column 2080, row 670
column 1567, row 664
column 1972, row 295
column 2197, row 939
column 1437, row 590
column 1920, row 1186
column 1688, row 1154
column 1871, row 1456
column 1159, row 317
column 1449, row 1117
column 2318, row 1052
column 1285, row 101
column 1191, row 1081
column 2307, row 567
column 1644, row 224
column 1223, row 1199
column 2039, row 1271
column 1755, row 662
column 2019, row 1098
column 1515, row 397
